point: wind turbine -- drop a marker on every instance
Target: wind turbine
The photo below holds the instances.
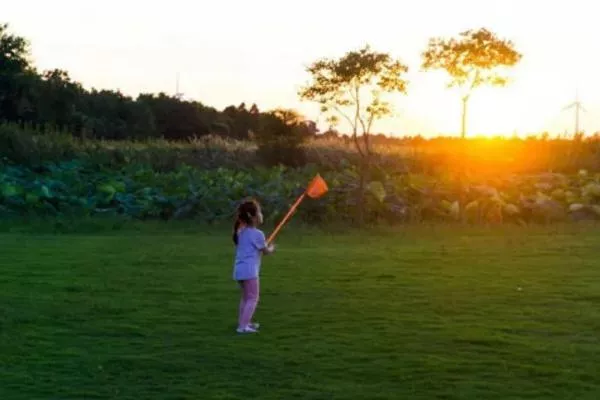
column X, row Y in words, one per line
column 578, row 106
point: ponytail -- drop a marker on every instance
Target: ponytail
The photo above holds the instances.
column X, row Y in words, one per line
column 236, row 227
column 244, row 215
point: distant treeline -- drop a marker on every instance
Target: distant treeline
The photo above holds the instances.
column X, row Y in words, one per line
column 51, row 100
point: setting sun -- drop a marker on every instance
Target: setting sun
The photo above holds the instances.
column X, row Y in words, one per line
column 500, row 111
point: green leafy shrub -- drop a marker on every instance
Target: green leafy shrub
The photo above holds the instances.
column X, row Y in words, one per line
column 280, row 139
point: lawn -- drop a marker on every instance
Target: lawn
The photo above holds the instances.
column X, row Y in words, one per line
column 417, row 313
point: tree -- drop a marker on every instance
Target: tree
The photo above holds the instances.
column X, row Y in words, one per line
column 176, row 119
column 242, row 122
column 57, row 100
column 280, row 137
column 16, row 76
column 111, row 115
column 476, row 58
column 14, row 52
column 353, row 87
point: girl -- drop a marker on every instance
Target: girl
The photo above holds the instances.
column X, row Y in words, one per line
column 250, row 245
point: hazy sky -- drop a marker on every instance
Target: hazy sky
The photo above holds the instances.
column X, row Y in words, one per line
column 256, row 51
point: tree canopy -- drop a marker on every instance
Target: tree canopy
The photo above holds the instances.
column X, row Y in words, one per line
column 353, row 87
column 476, row 58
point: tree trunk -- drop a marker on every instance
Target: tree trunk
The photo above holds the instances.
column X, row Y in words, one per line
column 364, row 166
column 362, row 186
column 463, row 128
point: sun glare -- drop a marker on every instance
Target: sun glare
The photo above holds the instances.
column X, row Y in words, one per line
column 491, row 112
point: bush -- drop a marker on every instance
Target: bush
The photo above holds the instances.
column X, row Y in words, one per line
column 280, row 139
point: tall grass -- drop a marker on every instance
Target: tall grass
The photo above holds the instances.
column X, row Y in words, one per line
column 480, row 156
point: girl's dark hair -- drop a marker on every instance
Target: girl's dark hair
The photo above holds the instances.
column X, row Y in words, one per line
column 245, row 214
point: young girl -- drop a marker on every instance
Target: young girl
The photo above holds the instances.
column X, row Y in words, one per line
column 250, row 245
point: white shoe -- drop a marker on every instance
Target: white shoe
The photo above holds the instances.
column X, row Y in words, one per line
column 247, row 329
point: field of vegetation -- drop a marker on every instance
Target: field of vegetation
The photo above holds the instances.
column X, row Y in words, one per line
column 419, row 313
column 57, row 175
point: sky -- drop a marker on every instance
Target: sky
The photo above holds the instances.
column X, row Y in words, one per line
column 257, row 51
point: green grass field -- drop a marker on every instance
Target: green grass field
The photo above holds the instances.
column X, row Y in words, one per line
column 419, row 313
